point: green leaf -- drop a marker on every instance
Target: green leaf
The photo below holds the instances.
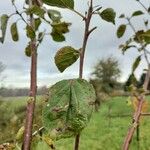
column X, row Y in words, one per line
column 146, row 36
column 58, row 29
column 41, row 36
column 65, row 57
column 54, row 15
column 37, row 23
column 146, row 23
column 61, row 27
column 139, row 36
column 108, row 15
column 60, row 3
column 28, row 50
column 69, row 108
column 122, row 16
column 30, row 32
column 4, row 19
column 36, row 10
column 136, row 63
column 137, row 13
column 58, row 37
column 148, row 9
column 14, row 32
column 121, row 30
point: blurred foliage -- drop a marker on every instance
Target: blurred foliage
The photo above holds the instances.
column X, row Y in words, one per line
column 105, row 78
column 98, row 130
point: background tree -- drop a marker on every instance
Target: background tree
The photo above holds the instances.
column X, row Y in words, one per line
column 106, row 73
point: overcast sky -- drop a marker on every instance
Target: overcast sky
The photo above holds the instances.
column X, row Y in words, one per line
column 102, row 43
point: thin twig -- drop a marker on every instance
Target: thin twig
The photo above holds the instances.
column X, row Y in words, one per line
column 20, row 14
column 143, row 6
column 90, row 31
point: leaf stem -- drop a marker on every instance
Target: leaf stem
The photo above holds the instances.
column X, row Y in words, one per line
column 87, row 32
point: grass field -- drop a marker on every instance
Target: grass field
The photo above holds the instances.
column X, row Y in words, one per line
column 102, row 133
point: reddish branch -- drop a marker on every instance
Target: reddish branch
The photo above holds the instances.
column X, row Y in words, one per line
column 134, row 126
column 137, row 115
column 32, row 94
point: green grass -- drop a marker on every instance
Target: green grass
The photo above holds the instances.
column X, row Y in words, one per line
column 102, row 133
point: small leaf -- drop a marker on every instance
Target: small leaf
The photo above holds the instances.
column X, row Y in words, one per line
column 139, row 36
column 122, row 16
column 28, row 50
column 58, row 37
column 54, row 15
column 136, row 63
column 148, row 9
column 58, row 29
column 65, row 57
column 121, row 30
column 48, row 141
column 37, row 23
column 4, row 19
column 60, row 3
column 146, row 23
column 20, row 133
column 125, row 47
column 41, row 36
column 108, row 15
column 36, row 10
column 137, row 13
column 61, row 27
column 14, row 32
column 30, row 32
column 146, row 36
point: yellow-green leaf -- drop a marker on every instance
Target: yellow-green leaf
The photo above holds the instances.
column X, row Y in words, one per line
column 58, row 37
column 14, row 32
column 20, row 133
column 54, row 15
column 36, row 10
column 4, row 19
column 30, row 32
column 37, row 23
column 121, row 30
column 28, row 50
column 136, row 63
column 61, row 27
